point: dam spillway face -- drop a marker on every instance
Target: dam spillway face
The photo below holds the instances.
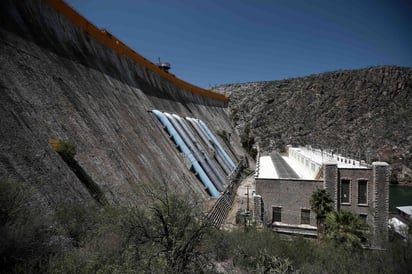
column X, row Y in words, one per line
column 63, row 78
column 202, row 150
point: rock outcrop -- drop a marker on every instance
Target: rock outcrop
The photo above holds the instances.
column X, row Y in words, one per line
column 362, row 113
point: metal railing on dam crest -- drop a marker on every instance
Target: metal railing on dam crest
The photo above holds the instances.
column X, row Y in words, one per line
column 112, row 42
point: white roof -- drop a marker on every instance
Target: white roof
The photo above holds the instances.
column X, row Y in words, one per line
column 303, row 173
column 406, row 209
column 266, row 169
column 323, row 156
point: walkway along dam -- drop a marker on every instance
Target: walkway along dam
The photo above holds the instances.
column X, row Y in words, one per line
column 133, row 124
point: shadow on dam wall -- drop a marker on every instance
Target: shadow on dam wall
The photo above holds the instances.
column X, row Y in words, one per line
column 58, row 82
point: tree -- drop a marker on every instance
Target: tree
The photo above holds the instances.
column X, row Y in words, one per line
column 168, row 233
column 321, row 203
column 345, row 228
column 25, row 231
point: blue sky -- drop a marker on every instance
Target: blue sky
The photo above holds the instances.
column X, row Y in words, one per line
column 212, row 42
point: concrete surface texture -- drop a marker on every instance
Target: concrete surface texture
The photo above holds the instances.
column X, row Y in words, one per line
column 291, row 195
column 240, row 202
column 265, row 168
column 56, row 82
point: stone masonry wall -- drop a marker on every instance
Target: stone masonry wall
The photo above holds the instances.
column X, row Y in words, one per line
column 354, row 175
column 381, row 201
column 291, row 195
column 330, row 175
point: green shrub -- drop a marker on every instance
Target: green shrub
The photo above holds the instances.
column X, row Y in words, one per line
column 393, row 178
column 345, row 228
column 77, row 221
column 168, row 232
column 25, row 231
column 66, row 149
column 247, row 142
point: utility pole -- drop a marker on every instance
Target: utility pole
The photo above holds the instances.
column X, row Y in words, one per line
column 247, row 213
column 247, row 198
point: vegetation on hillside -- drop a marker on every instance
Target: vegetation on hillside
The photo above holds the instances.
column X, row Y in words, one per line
column 248, row 141
column 360, row 113
column 26, row 236
column 169, row 234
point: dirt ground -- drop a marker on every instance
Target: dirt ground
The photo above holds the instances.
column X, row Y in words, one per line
column 240, row 201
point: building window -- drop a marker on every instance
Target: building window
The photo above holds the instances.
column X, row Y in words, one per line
column 363, row 217
column 362, row 192
column 305, row 216
column 345, row 191
column 276, row 214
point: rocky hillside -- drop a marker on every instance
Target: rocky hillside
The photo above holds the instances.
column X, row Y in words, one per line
column 363, row 113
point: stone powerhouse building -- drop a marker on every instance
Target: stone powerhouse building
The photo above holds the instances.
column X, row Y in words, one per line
column 285, row 190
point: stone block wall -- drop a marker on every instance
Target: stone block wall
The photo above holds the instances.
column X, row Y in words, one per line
column 330, row 176
column 292, row 195
column 258, row 209
column 380, row 201
column 354, row 175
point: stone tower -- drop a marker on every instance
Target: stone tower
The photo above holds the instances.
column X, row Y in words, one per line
column 380, row 202
column 330, row 183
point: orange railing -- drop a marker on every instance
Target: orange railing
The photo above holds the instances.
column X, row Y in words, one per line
column 118, row 46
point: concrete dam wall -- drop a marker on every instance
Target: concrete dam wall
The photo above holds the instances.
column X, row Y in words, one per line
column 57, row 81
